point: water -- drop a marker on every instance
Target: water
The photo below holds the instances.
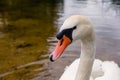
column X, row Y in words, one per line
column 24, row 48
column 105, row 16
column 25, row 26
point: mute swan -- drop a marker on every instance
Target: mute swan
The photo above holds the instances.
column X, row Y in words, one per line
column 85, row 68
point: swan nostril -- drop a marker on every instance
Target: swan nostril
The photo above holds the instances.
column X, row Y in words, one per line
column 61, row 42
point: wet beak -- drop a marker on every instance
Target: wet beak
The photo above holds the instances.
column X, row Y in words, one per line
column 60, row 47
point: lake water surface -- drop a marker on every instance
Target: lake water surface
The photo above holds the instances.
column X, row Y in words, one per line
column 27, row 35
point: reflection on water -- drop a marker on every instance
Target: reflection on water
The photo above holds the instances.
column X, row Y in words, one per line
column 25, row 26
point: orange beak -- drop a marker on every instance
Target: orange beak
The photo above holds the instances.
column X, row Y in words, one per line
column 60, row 47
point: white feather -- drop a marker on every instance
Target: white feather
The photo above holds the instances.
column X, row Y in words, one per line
column 102, row 70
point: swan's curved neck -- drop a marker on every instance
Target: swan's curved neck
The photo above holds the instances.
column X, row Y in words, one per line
column 86, row 60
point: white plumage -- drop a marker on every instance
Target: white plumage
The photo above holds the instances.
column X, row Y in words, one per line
column 86, row 67
column 102, row 70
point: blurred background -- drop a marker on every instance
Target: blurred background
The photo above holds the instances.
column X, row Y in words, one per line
column 27, row 35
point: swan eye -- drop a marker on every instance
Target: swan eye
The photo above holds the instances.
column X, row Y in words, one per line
column 74, row 27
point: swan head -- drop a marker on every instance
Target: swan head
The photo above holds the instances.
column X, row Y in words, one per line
column 74, row 28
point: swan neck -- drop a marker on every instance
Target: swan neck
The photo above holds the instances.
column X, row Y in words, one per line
column 86, row 60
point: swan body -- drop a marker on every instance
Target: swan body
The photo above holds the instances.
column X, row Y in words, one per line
column 102, row 70
column 86, row 67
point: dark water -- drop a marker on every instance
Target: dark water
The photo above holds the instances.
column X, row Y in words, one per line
column 27, row 29
column 25, row 26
